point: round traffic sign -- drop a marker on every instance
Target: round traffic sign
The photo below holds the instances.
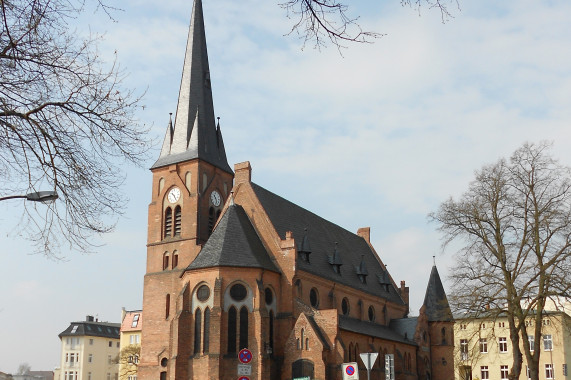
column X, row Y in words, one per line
column 245, row 356
column 243, row 378
column 350, row 370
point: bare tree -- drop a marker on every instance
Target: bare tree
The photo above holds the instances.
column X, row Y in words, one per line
column 515, row 226
column 66, row 123
column 320, row 21
column 24, row 369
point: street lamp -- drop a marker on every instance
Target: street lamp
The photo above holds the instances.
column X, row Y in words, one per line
column 40, row 196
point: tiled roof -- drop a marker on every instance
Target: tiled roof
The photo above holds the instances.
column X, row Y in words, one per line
column 130, row 324
column 353, row 250
column 405, row 326
column 234, row 243
column 435, row 301
column 99, row 329
column 371, row 329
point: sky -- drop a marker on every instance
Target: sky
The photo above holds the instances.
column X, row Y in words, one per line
column 378, row 136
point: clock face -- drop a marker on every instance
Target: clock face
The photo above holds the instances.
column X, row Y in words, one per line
column 174, row 195
column 215, row 198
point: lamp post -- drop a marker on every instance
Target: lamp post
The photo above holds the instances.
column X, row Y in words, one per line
column 40, row 196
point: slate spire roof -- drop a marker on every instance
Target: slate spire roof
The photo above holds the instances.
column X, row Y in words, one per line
column 234, row 243
column 435, row 301
column 195, row 133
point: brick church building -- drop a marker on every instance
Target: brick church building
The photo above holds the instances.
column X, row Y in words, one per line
column 231, row 265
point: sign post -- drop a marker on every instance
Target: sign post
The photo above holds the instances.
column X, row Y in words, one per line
column 369, row 359
column 350, row 371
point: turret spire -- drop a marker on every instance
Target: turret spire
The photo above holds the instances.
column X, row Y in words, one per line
column 195, row 134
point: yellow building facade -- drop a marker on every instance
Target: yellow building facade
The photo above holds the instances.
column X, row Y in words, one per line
column 130, row 344
column 483, row 349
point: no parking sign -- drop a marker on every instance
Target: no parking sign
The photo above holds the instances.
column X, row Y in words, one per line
column 350, row 371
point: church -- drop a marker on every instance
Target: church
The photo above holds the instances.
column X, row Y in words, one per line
column 233, row 266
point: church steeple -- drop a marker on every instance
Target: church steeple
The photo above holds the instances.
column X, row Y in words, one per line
column 435, row 301
column 195, row 134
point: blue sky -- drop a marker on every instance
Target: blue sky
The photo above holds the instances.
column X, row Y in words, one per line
column 377, row 137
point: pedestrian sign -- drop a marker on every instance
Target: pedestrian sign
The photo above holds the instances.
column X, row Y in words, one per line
column 350, row 371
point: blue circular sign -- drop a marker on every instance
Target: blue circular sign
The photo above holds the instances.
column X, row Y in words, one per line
column 350, row 370
column 245, row 356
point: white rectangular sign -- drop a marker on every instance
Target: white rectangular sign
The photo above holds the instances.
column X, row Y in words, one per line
column 389, row 367
column 244, row 369
column 350, row 371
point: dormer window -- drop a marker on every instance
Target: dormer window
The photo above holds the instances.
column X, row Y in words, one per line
column 335, row 260
column 361, row 270
column 304, row 249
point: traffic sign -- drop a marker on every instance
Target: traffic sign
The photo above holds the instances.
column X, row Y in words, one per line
column 350, row 371
column 243, row 378
column 389, row 367
column 244, row 369
column 369, row 358
column 245, row 356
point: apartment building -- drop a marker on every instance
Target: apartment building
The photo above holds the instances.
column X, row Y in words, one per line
column 130, row 344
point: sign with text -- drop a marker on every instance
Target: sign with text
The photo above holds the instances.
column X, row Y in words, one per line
column 244, row 369
column 389, row 367
column 350, row 371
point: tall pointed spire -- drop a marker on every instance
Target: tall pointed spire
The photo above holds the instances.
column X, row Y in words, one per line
column 195, row 134
column 435, row 301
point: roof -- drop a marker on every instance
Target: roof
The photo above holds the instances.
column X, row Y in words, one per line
column 234, row 243
column 318, row 332
column 195, row 134
column 405, row 326
column 371, row 329
column 435, row 301
column 353, row 253
column 99, row 329
column 132, row 323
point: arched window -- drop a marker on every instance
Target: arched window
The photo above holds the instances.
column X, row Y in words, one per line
column 345, row 306
column 243, row 327
column 204, row 181
column 210, row 220
column 356, row 352
column 167, row 306
column 174, row 259
column 302, row 338
column 161, row 184
column 168, row 222
column 314, row 297
column 232, row 320
column 306, row 344
column 444, row 335
column 297, row 343
column 298, row 288
column 206, row 343
column 177, row 221
column 165, row 260
column 272, row 330
column 197, row 330
column 351, row 351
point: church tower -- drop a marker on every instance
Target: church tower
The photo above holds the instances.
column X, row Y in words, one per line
column 191, row 182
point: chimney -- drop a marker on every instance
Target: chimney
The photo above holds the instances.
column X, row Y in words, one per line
column 242, row 172
column 89, row 318
column 365, row 233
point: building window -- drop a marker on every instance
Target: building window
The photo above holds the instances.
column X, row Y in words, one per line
column 547, row 343
column 314, row 298
column 564, row 369
column 503, row 343
column 203, row 293
column 210, row 220
column 177, row 221
column 165, row 260
column 232, row 320
column 135, row 339
column 167, row 306
column 483, row 346
column 501, row 324
column 546, row 322
column 174, row 259
column 464, row 349
column 110, row 343
column 91, row 342
column 531, row 341
column 90, row 358
column 135, row 320
column 549, row 371
column 484, row 372
column 243, row 327
column 528, row 373
column 298, row 288
column 345, row 306
column 168, row 222
column 503, row 372
column 443, row 335
column 371, row 314
column 271, row 331
column 197, row 330
column 109, row 359
column 108, row 376
column 268, row 296
column 89, row 376
column 238, row 292
column 206, row 342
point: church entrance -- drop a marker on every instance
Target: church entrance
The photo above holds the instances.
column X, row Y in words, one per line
column 302, row 368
